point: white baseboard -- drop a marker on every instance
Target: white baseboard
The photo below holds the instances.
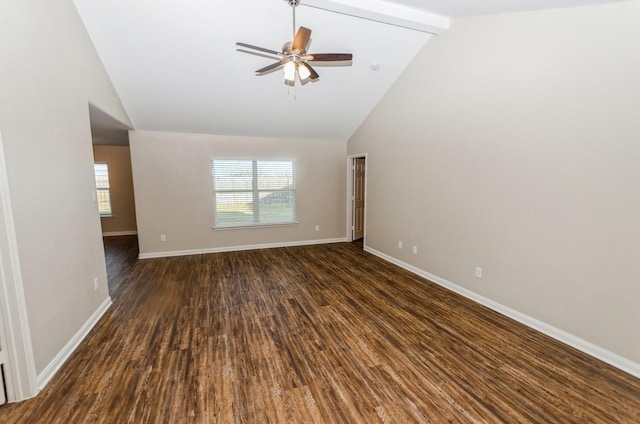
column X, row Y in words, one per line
column 120, row 233
column 150, row 255
column 582, row 345
column 47, row 374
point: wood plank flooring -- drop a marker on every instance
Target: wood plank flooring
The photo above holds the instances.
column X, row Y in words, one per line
column 314, row 334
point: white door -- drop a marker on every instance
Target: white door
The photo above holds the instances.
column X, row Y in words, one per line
column 3, row 356
column 3, row 393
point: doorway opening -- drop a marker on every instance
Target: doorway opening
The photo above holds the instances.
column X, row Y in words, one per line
column 357, row 189
column 113, row 172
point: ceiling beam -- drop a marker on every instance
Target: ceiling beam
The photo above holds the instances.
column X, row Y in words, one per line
column 385, row 12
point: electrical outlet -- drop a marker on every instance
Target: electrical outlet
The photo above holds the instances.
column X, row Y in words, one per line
column 400, row 245
column 415, row 250
column 317, row 228
column 96, row 283
column 478, row 272
column 163, row 237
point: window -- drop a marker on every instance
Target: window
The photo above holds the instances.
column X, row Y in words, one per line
column 253, row 192
column 101, row 171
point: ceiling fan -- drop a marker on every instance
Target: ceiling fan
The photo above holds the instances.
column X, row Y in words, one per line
column 294, row 57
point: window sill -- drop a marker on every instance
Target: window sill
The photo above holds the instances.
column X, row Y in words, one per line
column 106, row 216
column 253, row 225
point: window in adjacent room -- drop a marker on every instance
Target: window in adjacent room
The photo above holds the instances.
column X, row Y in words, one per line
column 102, row 188
column 253, row 192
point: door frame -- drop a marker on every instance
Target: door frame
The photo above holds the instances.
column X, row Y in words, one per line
column 351, row 160
column 15, row 336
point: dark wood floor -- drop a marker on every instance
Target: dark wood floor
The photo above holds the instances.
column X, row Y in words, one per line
column 315, row 334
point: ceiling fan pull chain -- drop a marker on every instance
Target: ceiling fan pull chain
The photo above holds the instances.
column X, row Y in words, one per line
column 295, row 92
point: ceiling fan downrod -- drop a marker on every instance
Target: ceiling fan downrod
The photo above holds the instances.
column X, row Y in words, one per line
column 294, row 4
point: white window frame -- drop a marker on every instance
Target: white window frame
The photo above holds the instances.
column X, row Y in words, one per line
column 106, row 189
column 255, row 196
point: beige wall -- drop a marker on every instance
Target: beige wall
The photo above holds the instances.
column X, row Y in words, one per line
column 174, row 193
column 118, row 158
column 49, row 72
column 512, row 143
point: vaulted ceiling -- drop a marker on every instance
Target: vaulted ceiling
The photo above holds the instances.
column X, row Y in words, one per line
column 176, row 66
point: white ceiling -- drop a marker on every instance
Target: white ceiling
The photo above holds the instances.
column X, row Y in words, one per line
column 462, row 8
column 107, row 130
column 176, row 67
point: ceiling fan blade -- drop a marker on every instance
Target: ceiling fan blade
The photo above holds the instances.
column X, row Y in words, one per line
column 329, row 57
column 301, row 40
column 272, row 66
column 313, row 75
column 262, row 49
column 256, row 53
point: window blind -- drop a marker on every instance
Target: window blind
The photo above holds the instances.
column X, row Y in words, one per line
column 101, row 171
column 253, row 192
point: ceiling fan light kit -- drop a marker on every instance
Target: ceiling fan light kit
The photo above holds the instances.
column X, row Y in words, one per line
column 294, row 58
column 304, row 72
column 290, row 71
